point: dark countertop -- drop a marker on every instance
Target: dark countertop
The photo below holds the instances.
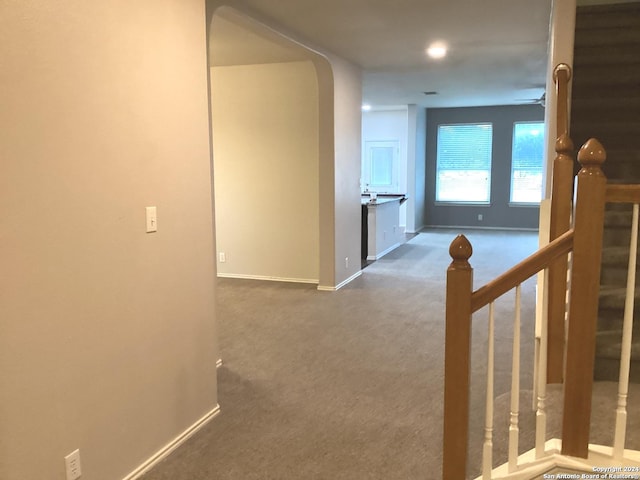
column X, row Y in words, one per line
column 383, row 198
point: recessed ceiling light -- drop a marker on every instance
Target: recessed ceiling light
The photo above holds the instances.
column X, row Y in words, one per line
column 366, row 108
column 437, row 50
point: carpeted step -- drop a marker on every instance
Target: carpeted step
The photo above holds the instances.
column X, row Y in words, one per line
column 597, row 110
column 618, row 216
column 616, row 256
column 621, row 169
column 603, row 403
column 612, row 297
column 611, row 37
column 589, row 55
column 608, row 353
column 616, row 237
column 606, row 105
column 611, row 75
column 622, row 136
column 616, row 15
column 609, row 345
column 593, row 91
column 627, row 155
column 611, row 308
column 615, row 264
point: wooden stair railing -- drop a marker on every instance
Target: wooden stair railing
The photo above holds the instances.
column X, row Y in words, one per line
column 559, row 223
column 583, row 303
column 585, row 241
column 629, row 194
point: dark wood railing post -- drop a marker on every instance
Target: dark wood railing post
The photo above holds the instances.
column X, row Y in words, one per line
column 559, row 223
column 583, row 308
column 457, row 360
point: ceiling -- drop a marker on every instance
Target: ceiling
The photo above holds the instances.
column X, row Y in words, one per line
column 497, row 49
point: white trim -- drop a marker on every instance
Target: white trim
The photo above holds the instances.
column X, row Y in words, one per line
column 218, row 363
column 165, row 451
column 269, row 278
column 341, row 284
column 531, row 468
column 382, row 254
column 475, row 227
column 416, row 229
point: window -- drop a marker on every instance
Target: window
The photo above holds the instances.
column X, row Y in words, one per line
column 526, row 162
column 380, row 169
column 463, row 163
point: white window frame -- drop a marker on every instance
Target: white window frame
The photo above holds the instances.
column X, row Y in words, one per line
column 463, row 201
column 511, row 171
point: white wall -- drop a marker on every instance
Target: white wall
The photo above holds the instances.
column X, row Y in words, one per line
column 347, row 213
column 107, row 339
column 390, row 125
column 560, row 50
column 265, row 134
column 340, row 97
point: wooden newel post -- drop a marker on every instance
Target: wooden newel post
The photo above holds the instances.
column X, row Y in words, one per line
column 559, row 223
column 583, row 308
column 457, row 360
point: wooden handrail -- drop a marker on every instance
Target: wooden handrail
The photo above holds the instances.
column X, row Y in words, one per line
column 561, row 76
column 522, row 271
column 622, row 193
column 559, row 223
column 585, row 241
column 460, row 305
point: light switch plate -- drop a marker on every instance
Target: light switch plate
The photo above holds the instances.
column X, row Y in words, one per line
column 152, row 219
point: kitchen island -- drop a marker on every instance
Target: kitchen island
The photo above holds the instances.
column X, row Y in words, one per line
column 380, row 224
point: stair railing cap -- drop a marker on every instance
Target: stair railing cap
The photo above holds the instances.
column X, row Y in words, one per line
column 561, row 67
column 564, row 144
column 592, row 154
column 460, row 250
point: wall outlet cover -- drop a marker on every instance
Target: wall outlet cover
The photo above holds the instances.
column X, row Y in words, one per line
column 72, row 464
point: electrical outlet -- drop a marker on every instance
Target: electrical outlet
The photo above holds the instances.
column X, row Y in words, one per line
column 346, row 262
column 72, row 462
column 480, row 217
column 222, row 257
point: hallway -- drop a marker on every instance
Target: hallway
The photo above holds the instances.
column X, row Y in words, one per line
column 343, row 385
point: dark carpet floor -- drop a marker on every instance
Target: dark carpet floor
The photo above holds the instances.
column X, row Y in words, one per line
column 349, row 385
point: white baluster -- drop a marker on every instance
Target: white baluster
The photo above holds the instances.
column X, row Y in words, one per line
column 514, row 430
column 541, row 414
column 627, row 333
column 487, row 452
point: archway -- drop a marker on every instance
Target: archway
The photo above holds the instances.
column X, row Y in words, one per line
column 272, row 139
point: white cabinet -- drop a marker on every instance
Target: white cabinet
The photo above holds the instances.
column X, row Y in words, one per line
column 381, row 225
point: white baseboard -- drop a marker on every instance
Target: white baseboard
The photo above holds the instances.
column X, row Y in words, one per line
column 268, row 278
column 341, row 284
column 476, row 227
column 172, row 445
column 382, row 254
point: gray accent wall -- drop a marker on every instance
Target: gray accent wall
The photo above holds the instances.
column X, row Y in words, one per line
column 498, row 214
column 420, row 168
